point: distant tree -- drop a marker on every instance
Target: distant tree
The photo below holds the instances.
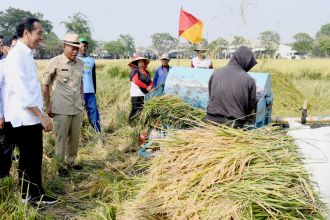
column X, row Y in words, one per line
column 223, row 43
column 128, row 42
column 215, row 47
column 324, row 31
column 10, row 18
column 163, row 42
column 51, row 46
column 115, row 47
column 99, row 48
column 322, row 45
column 79, row 24
column 187, row 49
column 270, row 40
column 238, row 41
column 303, row 43
column 316, row 52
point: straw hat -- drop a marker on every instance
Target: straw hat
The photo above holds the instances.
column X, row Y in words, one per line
column 71, row 39
column 165, row 56
column 135, row 60
column 200, row 48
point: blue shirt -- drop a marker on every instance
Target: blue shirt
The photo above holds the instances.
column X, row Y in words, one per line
column 87, row 75
column 160, row 76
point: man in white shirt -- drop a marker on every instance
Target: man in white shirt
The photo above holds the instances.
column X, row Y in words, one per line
column 4, row 49
column 6, row 141
column 201, row 61
column 24, row 110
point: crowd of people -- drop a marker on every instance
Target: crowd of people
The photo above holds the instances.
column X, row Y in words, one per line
column 232, row 92
column 70, row 80
column 68, row 86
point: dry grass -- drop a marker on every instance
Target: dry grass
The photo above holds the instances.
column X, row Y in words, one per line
column 221, row 173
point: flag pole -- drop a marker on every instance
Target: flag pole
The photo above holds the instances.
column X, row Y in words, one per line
column 178, row 56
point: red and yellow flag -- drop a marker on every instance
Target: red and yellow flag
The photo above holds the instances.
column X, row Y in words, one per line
column 190, row 27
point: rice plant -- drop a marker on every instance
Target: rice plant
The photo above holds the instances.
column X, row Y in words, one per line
column 114, row 173
column 221, row 173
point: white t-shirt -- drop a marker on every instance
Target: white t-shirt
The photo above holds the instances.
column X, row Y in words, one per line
column 197, row 63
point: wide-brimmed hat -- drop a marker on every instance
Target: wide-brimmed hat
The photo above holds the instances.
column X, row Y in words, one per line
column 135, row 60
column 165, row 56
column 71, row 39
column 200, row 48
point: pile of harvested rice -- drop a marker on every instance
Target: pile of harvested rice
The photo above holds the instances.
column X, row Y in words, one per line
column 170, row 111
column 288, row 100
column 223, row 173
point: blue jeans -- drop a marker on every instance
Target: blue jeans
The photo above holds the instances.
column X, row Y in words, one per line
column 92, row 111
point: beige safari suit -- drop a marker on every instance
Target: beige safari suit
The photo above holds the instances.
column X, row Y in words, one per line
column 64, row 76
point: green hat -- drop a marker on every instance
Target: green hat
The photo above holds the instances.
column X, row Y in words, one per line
column 83, row 40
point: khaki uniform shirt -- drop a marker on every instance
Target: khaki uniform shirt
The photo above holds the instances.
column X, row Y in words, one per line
column 65, row 77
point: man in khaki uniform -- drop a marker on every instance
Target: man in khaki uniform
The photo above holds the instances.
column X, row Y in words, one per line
column 64, row 74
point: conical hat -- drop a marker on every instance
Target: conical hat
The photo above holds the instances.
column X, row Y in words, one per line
column 137, row 58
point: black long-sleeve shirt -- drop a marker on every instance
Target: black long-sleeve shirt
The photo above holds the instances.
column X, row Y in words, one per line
column 232, row 92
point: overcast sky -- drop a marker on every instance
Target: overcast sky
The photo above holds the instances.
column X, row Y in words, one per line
column 222, row 18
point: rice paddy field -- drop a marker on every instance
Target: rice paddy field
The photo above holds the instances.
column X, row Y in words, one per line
column 118, row 184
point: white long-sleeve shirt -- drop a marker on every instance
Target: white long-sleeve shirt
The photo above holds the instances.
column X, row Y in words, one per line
column 23, row 87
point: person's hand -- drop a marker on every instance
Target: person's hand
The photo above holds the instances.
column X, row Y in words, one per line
column 149, row 88
column 46, row 123
column 49, row 111
column 2, row 123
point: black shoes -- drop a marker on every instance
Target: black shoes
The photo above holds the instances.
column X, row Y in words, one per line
column 76, row 167
column 63, row 172
column 40, row 200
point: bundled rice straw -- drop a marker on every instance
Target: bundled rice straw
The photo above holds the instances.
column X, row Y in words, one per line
column 223, row 173
column 171, row 111
column 287, row 98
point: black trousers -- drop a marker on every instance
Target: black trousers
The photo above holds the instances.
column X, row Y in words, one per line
column 28, row 139
column 6, row 149
column 137, row 105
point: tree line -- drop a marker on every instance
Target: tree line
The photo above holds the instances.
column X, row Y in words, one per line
column 124, row 46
